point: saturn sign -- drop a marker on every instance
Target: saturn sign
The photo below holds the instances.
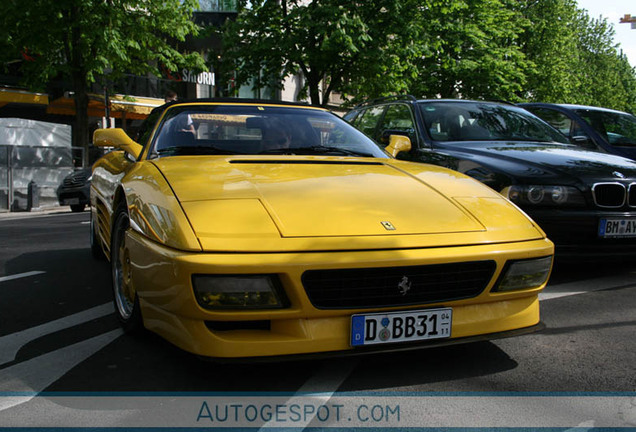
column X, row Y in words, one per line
column 205, row 78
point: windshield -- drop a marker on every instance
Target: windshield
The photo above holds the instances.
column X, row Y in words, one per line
column 476, row 121
column 254, row 130
column 618, row 129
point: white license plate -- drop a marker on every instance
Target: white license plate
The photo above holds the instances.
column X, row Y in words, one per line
column 379, row 328
column 71, row 201
column 609, row 228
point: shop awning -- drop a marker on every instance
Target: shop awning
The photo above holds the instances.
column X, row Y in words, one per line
column 22, row 97
column 136, row 107
column 121, row 106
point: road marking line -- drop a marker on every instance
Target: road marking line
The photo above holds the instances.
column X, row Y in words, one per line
column 325, row 382
column 12, row 343
column 38, row 373
column 20, row 275
column 550, row 296
column 587, row 286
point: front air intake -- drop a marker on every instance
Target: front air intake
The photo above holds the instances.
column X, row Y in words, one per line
column 396, row 286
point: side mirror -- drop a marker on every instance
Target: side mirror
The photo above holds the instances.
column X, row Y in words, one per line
column 583, row 141
column 386, row 134
column 580, row 139
column 398, row 144
column 116, row 138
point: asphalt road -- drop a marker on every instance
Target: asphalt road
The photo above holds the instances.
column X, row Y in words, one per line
column 58, row 334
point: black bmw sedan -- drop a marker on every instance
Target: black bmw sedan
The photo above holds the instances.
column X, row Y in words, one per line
column 584, row 200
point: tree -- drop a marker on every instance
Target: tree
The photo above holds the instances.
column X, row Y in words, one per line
column 606, row 79
column 514, row 50
column 574, row 57
column 551, row 46
column 338, row 45
column 82, row 40
column 473, row 50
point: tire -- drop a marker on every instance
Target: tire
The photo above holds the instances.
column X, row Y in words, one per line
column 96, row 243
column 77, row 208
column 125, row 298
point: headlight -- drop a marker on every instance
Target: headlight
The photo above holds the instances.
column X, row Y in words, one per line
column 539, row 195
column 524, row 274
column 238, row 292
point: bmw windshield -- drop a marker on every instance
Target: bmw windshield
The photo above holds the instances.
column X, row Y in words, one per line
column 476, row 121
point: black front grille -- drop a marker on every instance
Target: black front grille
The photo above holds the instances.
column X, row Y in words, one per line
column 631, row 195
column 381, row 287
column 76, row 179
column 609, row 195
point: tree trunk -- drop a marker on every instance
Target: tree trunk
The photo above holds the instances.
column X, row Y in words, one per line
column 79, row 79
column 313, row 83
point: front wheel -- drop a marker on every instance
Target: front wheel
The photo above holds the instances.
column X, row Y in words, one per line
column 124, row 295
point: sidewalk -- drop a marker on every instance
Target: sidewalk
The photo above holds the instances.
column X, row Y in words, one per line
column 41, row 211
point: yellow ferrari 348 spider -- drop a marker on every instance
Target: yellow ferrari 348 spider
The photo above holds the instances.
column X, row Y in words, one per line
column 250, row 228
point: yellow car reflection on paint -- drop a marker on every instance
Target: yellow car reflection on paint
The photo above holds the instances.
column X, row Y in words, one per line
column 248, row 229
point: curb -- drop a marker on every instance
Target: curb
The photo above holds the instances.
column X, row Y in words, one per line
column 48, row 211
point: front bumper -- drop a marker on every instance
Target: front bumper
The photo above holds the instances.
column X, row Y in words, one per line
column 575, row 233
column 389, row 348
column 162, row 279
column 75, row 195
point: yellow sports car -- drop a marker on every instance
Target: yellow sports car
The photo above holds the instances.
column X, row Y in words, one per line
column 249, row 228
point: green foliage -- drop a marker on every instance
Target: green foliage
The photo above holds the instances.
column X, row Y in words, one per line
column 574, row 58
column 81, row 40
column 515, row 50
column 474, row 50
column 342, row 44
column 550, row 44
column 542, row 50
column 606, row 79
column 93, row 37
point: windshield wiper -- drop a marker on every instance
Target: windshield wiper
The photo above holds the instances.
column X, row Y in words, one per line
column 321, row 150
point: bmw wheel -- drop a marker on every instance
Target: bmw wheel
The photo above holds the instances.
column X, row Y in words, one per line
column 125, row 296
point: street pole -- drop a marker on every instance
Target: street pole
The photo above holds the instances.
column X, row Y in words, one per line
column 106, row 107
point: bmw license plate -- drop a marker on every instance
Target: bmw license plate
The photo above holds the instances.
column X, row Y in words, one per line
column 614, row 228
column 71, row 201
column 379, row 328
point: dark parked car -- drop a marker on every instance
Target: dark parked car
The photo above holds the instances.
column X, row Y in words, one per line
column 75, row 190
column 591, row 127
column 584, row 200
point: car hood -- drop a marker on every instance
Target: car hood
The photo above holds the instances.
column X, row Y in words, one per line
column 332, row 198
column 546, row 161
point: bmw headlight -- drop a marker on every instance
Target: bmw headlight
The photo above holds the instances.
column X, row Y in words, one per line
column 238, row 291
column 524, row 274
column 540, row 195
